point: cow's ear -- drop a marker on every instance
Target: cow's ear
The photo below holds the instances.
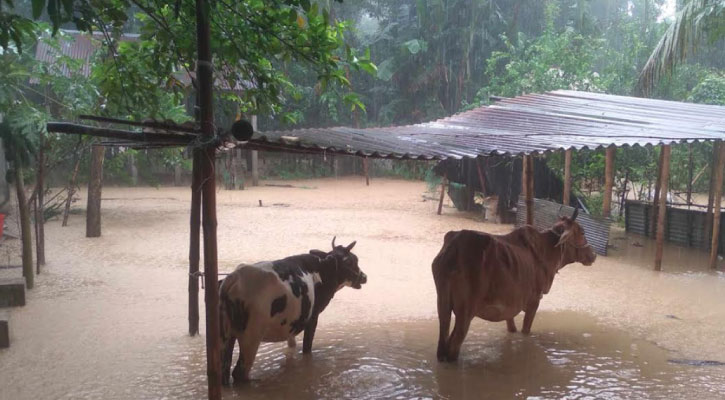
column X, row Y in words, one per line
column 564, row 237
column 318, row 253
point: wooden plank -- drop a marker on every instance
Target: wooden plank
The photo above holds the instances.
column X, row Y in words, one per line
column 662, row 206
column 567, row 177
column 717, row 201
column 194, row 244
column 608, row 181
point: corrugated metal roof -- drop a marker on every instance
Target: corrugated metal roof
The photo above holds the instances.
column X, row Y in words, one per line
column 534, row 123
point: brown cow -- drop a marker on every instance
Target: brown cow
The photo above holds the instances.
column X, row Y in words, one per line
column 495, row 277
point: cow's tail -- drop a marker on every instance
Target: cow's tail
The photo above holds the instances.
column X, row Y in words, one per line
column 442, row 266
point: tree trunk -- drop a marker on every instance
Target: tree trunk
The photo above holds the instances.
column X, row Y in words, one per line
column 25, row 233
column 39, row 211
column 95, row 185
column 71, row 189
column 664, row 176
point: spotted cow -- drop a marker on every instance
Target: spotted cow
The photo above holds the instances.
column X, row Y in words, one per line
column 273, row 301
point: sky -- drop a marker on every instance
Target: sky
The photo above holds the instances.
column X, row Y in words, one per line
column 668, row 10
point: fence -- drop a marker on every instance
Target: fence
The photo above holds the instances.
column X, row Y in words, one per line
column 546, row 213
column 683, row 227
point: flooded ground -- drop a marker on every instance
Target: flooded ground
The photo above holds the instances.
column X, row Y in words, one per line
column 107, row 319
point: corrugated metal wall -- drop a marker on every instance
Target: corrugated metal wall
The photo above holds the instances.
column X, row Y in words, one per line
column 682, row 227
column 546, row 213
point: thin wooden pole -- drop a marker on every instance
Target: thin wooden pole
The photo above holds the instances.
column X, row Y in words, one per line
column 710, row 195
column 366, row 169
column 608, row 181
column 195, row 227
column 717, row 197
column 529, row 185
column 567, row 178
column 443, row 192
column 481, row 176
column 689, row 175
column 662, row 207
column 40, row 211
column 71, row 187
column 209, row 221
column 24, row 215
column 656, row 200
column 95, row 187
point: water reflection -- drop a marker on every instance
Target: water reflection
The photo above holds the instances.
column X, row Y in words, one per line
column 568, row 356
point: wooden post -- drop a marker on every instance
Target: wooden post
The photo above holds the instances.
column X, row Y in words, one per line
column 366, row 171
column 444, row 182
column 209, row 221
column 255, row 157
column 689, row 176
column 608, row 182
column 717, row 200
column 195, row 226
column 662, row 207
column 133, row 169
column 71, row 187
column 710, row 196
column 24, row 215
column 528, row 185
column 567, row 178
column 481, row 176
column 95, row 185
column 40, row 211
column 656, row 200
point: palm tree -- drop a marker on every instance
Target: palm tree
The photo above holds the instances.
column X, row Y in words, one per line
column 697, row 19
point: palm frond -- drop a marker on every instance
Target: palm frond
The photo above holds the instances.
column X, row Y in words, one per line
column 680, row 39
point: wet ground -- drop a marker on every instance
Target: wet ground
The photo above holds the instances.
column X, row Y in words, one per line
column 107, row 319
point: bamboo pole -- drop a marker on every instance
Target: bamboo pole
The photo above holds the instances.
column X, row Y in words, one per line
column 528, row 178
column 717, row 199
column 195, row 227
column 209, row 221
column 567, row 178
column 662, row 208
column 608, row 181
column 444, row 182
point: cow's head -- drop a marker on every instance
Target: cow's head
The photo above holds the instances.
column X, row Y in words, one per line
column 347, row 271
column 574, row 246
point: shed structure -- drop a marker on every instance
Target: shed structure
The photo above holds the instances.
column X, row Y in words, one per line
column 524, row 126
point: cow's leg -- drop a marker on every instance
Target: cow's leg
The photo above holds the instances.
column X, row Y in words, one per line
column 511, row 325
column 444, row 319
column 460, row 330
column 309, row 335
column 291, row 342
column 248, row 347
column 227, row 352
column 529, row 316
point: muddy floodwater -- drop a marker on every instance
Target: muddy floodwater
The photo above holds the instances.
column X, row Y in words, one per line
column 107, row 319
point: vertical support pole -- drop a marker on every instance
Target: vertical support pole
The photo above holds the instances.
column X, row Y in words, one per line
column 194, row 232
column 133, row 168
column 444, row 182
column 209, row 221
column 717, row 203
column 528, row 179
column 689, row 175
column 366, row 169
column 95, row 186
column 711, row 197
column 608, row 181
column 255, row 157
column 40, row 212
column 662, row 206
column 481, row 176
column 566, row 200
column 656, row 200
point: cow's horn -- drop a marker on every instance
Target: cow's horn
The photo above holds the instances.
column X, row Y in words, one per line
column 351, row 245
column 333, row 242
column 576, row 212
